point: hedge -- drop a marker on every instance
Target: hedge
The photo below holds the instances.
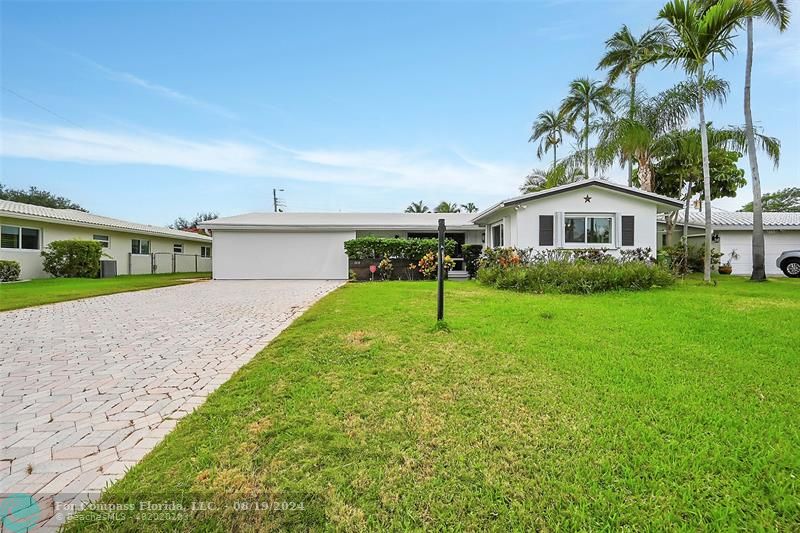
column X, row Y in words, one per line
column 380, row 247
column 9, row 270
column 72, row 259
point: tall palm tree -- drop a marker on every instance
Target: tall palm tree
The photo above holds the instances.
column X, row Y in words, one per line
column 446, row 207
column 560, row 174
column 417, row 207
column 469, row 207
column 775, row 12
column 628, row 54
column 549, row 129
column 644, row 135
column 699, row 31
column 585, row 96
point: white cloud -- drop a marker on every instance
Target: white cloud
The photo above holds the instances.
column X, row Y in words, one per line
column 413, row 169
column 131, row 79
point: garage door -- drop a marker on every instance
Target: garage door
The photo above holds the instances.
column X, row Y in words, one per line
column 280, row 255
column 775, row 243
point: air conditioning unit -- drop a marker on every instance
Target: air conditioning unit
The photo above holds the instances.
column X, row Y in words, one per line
column 108, row 268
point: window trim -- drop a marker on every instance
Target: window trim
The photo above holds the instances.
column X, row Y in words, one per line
column 612, row 243
column 502, row 234
column 177, row 245
column 140, row 241
column 205, row 251
column 104, row 242
column 19, row 247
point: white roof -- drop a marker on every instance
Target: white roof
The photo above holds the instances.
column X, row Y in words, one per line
column 730, row 220
column 74, row 217
column 344, row 221
column 662, row 201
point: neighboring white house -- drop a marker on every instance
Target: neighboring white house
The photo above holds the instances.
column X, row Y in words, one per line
column 585, row 214
column 136, row 248
column 311, row 245
column 734, row 231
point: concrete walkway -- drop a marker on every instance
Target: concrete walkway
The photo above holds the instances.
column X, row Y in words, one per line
column 89, row 387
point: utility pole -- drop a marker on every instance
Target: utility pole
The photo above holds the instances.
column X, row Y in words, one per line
column 275, row 202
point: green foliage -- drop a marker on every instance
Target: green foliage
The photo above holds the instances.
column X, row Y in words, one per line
column 9, row 270
column 784, row 200
column 446, row 207
column 184, row 224
column 471, row 253
column 680, row 263
column 686, row 165
column 72, row 259
column 36, row 196
column 380, row 247
column 417, row 207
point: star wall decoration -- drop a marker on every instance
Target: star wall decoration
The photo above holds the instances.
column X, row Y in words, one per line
column 587, row 199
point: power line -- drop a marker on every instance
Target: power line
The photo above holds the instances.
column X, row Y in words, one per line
column 43, row 108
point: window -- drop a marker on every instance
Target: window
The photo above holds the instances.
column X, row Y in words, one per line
column 177, row 248
column 587, row 230
column 140, row 246
column 102, row 239
column 17, row 238
column 205, row 251
column 497, row 235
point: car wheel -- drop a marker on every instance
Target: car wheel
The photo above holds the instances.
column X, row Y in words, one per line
column 791, row 268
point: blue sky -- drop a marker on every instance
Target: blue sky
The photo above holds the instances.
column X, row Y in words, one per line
column 158, row 109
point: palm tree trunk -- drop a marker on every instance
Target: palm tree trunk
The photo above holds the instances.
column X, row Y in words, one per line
column 686, row 220
column 758, row 273
column 631, row 112
column 586, row 145
column 645, row 175
column 706, row 172
column 554, row 156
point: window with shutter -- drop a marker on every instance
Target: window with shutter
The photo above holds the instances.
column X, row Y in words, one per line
column 545, row 230
column 627, row 230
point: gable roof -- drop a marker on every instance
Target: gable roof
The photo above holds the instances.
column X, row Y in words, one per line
column 73, row 217
column 728, row 220
column 664, row 201
column 343, row 221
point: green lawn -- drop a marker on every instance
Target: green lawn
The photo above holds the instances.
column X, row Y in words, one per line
column 47, row 291
column 670, row 409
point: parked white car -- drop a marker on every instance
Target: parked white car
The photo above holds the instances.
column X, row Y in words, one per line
column 789, row 262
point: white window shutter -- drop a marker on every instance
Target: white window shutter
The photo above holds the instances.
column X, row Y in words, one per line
column 617, row 230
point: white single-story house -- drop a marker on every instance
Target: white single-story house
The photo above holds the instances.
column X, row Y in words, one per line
column 311, row 245
column 585, row 214
column 136, row 248
column 734, row 231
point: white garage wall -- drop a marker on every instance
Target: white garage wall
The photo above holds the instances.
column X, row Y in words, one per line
column 280, row 255
column 775, row 243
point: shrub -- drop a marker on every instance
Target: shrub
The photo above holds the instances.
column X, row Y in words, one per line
column 385, row 268
column 9, row 270
column 72, row 259
column 379, row 247
column 471, row 253
column 674, row 258
column 427, row 265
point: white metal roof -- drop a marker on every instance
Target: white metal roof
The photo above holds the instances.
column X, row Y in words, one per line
column 730, row 220
column 344, row 221
column 662, row 201
column 73, row 217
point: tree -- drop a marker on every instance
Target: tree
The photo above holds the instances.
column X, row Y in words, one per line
column 645, row 136
column 775, row 12
column 36, row 196
column 539, row 179
column 446, row 207
column 191, row 225
column 585, row 96
column 417, row 207
column 628, row 54
column 469, row 207
column 782, row 201
column 549, row 130
column 700, row 31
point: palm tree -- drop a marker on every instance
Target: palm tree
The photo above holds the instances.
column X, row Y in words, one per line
column 469, row 207
column 699, row 31
column 417, row 207
column 560, row 174
column 628, row 54
column 775, row 12
column 643, row 136
column 584, row 96
column 446, row 207
column 549, row 130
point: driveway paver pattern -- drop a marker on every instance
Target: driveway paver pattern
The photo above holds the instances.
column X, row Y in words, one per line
column 88, row 387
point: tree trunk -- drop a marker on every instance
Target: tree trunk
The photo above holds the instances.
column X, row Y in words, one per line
column 554, row 156
column 631, row 112
column 586, row 145
column 645, row 176
column 686, row 219
column 758, row 273
column 706, row 172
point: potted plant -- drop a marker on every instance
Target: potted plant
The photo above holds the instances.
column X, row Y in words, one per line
column 726, row 268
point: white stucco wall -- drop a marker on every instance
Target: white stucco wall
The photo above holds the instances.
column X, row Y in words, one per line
column 522, row 225
column 775, row 243
column 280, row 255
column 119, row 247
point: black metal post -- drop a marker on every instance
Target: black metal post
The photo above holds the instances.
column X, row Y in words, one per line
column 440, row 272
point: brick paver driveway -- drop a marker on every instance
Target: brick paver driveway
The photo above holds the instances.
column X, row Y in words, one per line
column 90, row 386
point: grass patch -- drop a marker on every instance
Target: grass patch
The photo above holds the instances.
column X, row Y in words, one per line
column 46, row 291
column 673, row 408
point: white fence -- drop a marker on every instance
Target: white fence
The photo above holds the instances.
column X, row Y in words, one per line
column 167, row 263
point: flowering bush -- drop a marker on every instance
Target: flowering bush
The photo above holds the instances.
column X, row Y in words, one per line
column 385, row 268
column 427, row 266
